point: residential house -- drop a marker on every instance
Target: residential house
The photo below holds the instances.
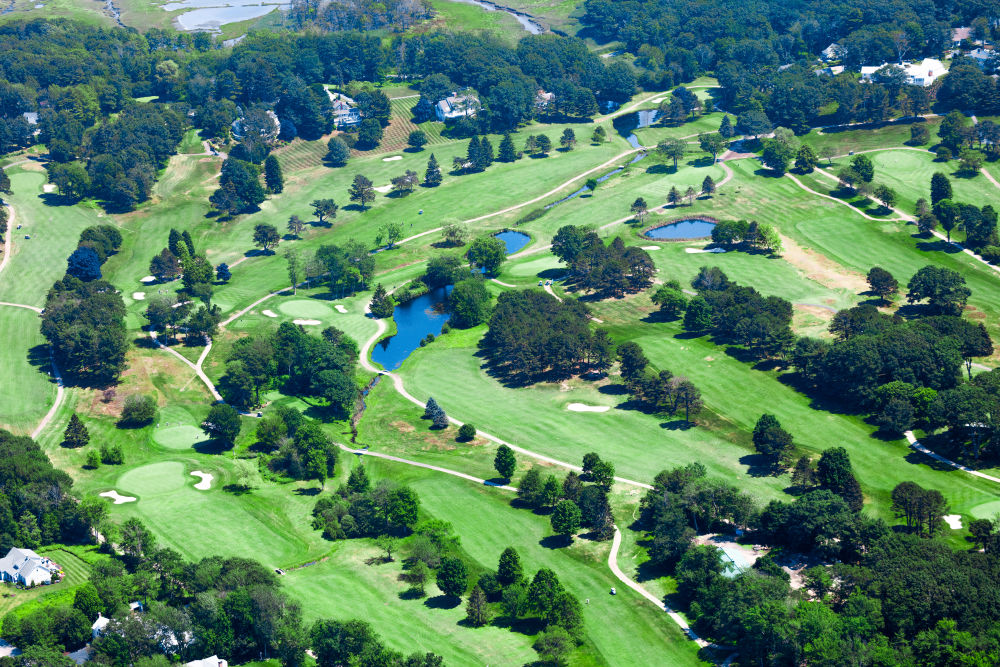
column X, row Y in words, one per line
column 833, row 70
column 923, row 73
column 959, row 35
column 98, row 626
column 25, row 567
column 214, row 661
column 456, row 106
column 345, row 113
column 833, row 52
column 981, row 57
column 543, row 100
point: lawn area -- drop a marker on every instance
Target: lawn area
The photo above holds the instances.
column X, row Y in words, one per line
column 86, row 11
column 453, row 15
column 843, row 139
column 76, row 571
column 26, row 392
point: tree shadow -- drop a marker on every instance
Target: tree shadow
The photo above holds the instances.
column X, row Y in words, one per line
column 56, row 199
column 938, row 245
column 677, row 425
column 237, row 489
column 211, row 447
column 308, row 491
column 555, row 542
column 497, row 481
column 757, row 465
column 660, row 169
column 443, row 602
column 411, row 594
column 613, row 390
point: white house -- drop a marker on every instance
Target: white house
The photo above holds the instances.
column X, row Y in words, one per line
column 832, row 70
column 25, row 567
column 214, row 661
column 923, row 73
column 456, row 106
column 98, row 626
column 345, row 114
column 832, row 52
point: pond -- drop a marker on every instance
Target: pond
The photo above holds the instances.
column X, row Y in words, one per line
column 513, row 240
column 525, row 20
column 211, row 15
column 414, row 320
column 682, row 229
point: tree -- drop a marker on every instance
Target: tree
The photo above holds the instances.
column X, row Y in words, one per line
column 222, row 424
column 417, row 577
column 943, row 288
column 708, row 186
column 369, row 133
column 222, row 273
column 432, row 177
column 777, row 155
column 802, row 473
column 488, row 253
column 882, row 284
column 452, row 577
column 390, row 233
column 971, row 161
column 602, row 474
column 672, row 149
column 469, row 303
column 726, row 130
column 323, row 209
column 430, row 408
column 754, row 122
column 506, row 151
column 690, row 194
column 639, row 209
column 712, row 143
column 362, row 191
column 84, row 264
column 940, row 188
column 833, row 472
column 337, row 152
column 93, row 459
column 698, row 315
column 466, row 432
column 509, row 571
column 4, row 182
column 805, row 159
column 674, row 196
column 404, row 184
column 687, row 396
column 357, row 481
column 417, row 139
column 599, row 136
column 265, row 236
column 273, row 177
column 296, row 226
column 294, row 268
column 137, row 411
column 772, row 441
column 164, row 266
column 76, row 434
column 670, row 299
column 544, row 144
column 504, row 462
column 863, row 167
column 568, row 139
column 477, row 609
column 565, row 519
column 382, row 305
column 885, row 195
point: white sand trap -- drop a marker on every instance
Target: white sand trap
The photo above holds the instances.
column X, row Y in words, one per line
column 269, row 313
column 657, row 100
column 583, row 407
column 712, row 250
column 340, row 308
column 49, row 187
column 650, row 247
column 148, row 279
column 139, row 296
column 118, row 498
column 954, row 521
column 206, row 480
column 383, row 188
column 392, row 159
column 306, row 322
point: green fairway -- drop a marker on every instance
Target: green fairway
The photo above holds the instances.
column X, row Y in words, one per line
column 26, row 391
column 988, row 510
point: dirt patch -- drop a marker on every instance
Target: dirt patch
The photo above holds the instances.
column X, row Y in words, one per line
column 709, row 358
column 403, row 427
column 815, row 311
column 821, row 269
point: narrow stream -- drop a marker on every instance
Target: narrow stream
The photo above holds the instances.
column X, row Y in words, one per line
column 525, row 20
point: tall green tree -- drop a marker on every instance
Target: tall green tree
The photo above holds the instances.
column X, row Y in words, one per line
column 432, row 177
column 362, row 191
column 273, row 177
column 504, row 462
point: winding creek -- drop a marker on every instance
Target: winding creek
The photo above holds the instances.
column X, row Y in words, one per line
column 526, row 21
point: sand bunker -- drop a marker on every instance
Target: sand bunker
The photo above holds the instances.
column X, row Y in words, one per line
column 269, row 313
column 657, row 100
column 954, row 521
column 206, row 480
column 650, row 247
column 307, row 322
column 48, row 187
column 392, row 159
column 118, row 498
column 713, row 250
column 583, row 407
column 138, row 296
column 383, row 188
column 340, row 308
column 148, row 279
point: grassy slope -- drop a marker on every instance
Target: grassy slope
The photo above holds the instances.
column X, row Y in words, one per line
column 26, row 393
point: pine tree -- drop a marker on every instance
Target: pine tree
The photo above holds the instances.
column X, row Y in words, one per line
column 188, row 242
column 357, row 481
column 504, row 461
column 431, row 408
column 4, row 182
column 174, row 243
column 674, row 196
column 726, row 128
column 272, row 175
column 440, row 419
column 507, row 153
column 477, row 610
column 76, row 434
column 708, row 186
column 485, row 154
column 432, row 177
column 382, row 305
column 472, row 156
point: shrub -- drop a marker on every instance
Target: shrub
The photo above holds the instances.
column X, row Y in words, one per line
column 531, row 216
column 139, row 410
column 466, row 432
column 943, row 154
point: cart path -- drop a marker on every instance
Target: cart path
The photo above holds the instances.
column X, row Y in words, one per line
column 915, row 444
column 447, row 471
column 195, row 367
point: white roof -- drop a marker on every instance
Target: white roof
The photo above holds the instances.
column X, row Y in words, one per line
column 981, row 54
column 22, row 562
column 213, row 661
column 101, row 622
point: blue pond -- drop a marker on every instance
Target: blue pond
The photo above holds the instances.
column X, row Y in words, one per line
column 414, row 320
column 513, row 240
column 682, row 229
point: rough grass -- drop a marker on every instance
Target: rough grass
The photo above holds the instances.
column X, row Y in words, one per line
column 26, row 391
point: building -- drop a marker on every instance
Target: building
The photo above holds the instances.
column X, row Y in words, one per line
column 25, row 567
column 543, row 100
column 959, row 35
column 456, row 106
column 981, row 57
column 214, row 661
column 833, row 70
column 345, row 113
column 98, row 626
column 923, row 73
column 833, row 52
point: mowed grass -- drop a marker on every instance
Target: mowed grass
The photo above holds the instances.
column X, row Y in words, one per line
column 76, row 571
column 843, row 139
column 625, row 624
column 453, row 15
column 26, row 392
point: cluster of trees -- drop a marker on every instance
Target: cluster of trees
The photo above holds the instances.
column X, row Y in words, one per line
column 609, row 270
column 360, row 509
column 36, row 508
column 979, row 224
column 295, row 362
column 172, row 311
column 96, row 244
column 534, row 335
column 658, row 392
column 240, row 190
column 571, row 504
column 739, row 314
column 742, row 235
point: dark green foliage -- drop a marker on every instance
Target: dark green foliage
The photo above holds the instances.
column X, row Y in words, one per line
column 944, row 289
column 222, row 273
column 417, row 139
column 337, row 152
column 772, row 441
column 76, row 434
column 137, row 411
column 239, row 190
column 466, row 432
column 469, row 303
column 565, row 518
column 940, row 188
column 504, row 462
column 382, row 305
column 355, row 642
column 487, row 252
column 112, row 454
column 265, row 236
column 85, row 264
column 362, row 191
column 356, row 509
column 509, row 571
column 432, row 177
column 369, row 134
column 882, row 284
column 452, row 577
column 609, row 270
column 507, row 152
column 222, row 424
column 273, row 177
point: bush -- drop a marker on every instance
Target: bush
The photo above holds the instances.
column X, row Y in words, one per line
column 112, row 455
column 943, row 154
column 139, row 410
column 531, row 216
column 466, row 432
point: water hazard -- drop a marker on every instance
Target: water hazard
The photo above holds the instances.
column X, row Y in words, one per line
column 513, row 240
column 682, row 229
column 414, row 320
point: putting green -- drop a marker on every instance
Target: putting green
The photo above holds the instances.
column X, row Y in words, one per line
column 178, row 437
column 153, row 479
column 306, row 308
column 986, row 510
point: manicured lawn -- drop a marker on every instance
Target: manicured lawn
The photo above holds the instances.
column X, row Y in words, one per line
column 76, row 572
column 26, row 391
column 842, row 141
